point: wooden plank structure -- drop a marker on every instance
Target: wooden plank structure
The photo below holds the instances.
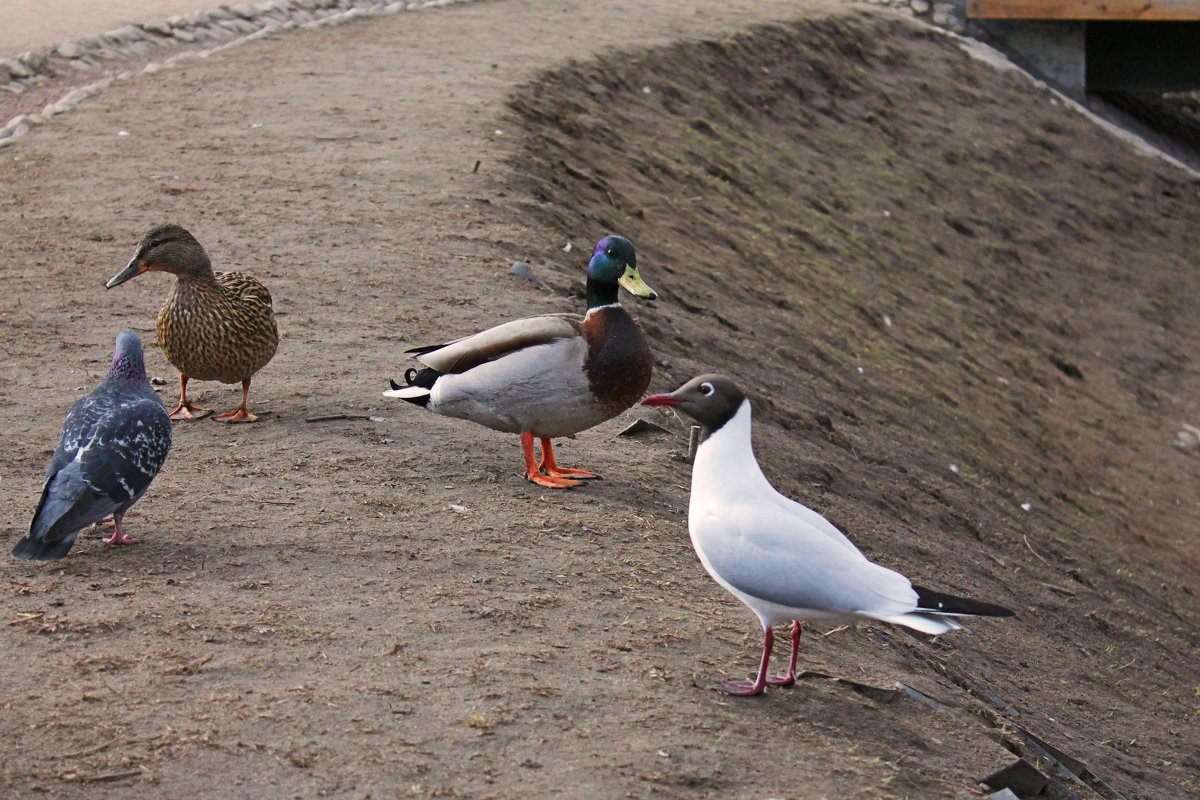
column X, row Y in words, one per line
column 1099, row 45
column 1142, row 10
column 1139, row 10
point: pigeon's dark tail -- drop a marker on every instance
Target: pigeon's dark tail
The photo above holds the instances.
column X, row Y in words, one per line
column 33, row 549
column 420, row 384
column 939, row 603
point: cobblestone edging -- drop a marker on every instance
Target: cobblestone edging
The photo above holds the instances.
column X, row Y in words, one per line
column 205, row 32
column 948, row 14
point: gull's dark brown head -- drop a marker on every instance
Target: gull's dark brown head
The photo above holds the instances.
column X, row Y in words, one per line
column 711, row 400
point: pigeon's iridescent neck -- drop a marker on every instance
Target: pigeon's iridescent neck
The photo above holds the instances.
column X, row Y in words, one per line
column 128, row 362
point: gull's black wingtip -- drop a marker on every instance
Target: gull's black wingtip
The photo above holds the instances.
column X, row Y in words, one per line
column 940, row 602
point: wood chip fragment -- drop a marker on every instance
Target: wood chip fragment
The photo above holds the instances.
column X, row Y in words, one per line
column 190, row 668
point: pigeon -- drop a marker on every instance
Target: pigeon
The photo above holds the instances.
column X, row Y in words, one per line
column 782, row 559
column 113, row 443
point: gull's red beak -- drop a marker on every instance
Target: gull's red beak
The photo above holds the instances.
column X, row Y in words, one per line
column 661, row 400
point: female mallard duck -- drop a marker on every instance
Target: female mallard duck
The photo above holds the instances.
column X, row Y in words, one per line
column 545, row 376
column 214, row 326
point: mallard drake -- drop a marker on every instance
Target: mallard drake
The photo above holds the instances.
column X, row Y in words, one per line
column 214, row 326
column 113, row 442
column 545, row 376
column 783, row 560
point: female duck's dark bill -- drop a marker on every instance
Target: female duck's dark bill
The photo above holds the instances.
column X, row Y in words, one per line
column 133, row 269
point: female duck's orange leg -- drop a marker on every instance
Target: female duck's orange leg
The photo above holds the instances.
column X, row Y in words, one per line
column 552, row 469
column 186, row 410
column 533, row 473
column 239, row 414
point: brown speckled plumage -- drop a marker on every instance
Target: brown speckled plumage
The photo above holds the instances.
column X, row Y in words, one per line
column 219, row 327
column 213, row 326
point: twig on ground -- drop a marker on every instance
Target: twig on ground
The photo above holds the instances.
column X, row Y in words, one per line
column 110, row 776
column 1027, row 544
column 190, row 668
column 330, row 417
column 273, row 502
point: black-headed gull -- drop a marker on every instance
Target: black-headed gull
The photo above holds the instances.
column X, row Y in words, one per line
column 783, row 560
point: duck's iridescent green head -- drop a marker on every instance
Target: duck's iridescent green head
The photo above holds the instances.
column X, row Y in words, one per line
column 614, row 263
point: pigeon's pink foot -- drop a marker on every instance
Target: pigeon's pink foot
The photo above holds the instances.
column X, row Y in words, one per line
column 119, row 536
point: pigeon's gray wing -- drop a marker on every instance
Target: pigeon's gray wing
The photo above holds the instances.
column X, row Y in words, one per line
column 131, row 445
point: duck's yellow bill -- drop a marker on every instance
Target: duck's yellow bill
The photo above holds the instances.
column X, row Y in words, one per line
column 634, row 284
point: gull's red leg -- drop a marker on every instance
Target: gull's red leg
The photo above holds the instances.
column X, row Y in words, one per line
column 790, row 678
column 747, row 689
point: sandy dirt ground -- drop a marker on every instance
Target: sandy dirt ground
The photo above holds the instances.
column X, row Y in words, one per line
column 30, row 24
column 966, row 315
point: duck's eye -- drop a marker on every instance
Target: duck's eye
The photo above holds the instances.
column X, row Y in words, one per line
column 706, row 388
column 610, row 253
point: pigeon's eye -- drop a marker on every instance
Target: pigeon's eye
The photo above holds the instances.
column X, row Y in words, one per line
column 706, row 388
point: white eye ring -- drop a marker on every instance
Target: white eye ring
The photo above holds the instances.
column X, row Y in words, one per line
column 706, row 388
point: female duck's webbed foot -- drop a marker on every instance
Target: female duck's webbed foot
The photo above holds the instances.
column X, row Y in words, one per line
column 186, row 410
column 239, row 414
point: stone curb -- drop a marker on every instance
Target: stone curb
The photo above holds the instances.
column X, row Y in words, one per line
column 222, row 27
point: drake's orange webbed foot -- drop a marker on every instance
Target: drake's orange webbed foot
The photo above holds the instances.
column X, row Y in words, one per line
column 550, row 467
column 533, row 471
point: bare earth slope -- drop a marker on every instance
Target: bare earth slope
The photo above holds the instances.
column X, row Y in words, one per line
column 910, row 260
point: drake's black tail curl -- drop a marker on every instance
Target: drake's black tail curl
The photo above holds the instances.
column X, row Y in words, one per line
column 416, row 381
column 424, row 378
column 939, row 602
